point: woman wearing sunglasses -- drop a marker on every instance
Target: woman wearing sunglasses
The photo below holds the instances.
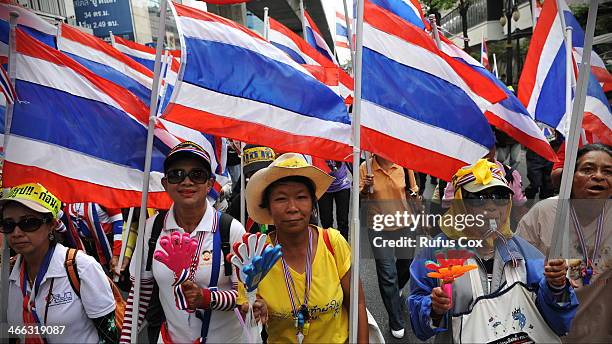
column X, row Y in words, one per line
column 42, row 301
column 513, row 294
column 202, row 309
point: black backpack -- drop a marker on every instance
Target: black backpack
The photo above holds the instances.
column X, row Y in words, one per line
column 155, row 313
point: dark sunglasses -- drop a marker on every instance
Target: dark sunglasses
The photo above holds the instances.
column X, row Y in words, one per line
column 27, row 225
column 479, row 200
column 196, row 175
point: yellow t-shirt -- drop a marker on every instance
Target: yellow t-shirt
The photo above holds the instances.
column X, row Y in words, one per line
column 329, row 319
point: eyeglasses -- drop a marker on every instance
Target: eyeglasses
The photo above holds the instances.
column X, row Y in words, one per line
column 196, row 175
column 31, row 224
column 479, row 200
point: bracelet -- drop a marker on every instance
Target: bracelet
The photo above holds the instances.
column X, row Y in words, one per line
column 206, row 295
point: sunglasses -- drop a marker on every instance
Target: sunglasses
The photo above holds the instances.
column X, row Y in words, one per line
column 479, row 200
column 27, row 225
column 196, row 175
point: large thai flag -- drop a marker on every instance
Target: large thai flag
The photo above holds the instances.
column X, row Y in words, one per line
column 301, row 52
column 509, row 115
column 80, row 135
column 28, row 22
column 417, row 109
column 315, row 38
column 542, row 86
column 238, row 85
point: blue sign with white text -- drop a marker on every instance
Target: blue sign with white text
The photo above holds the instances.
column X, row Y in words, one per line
column 103, row 16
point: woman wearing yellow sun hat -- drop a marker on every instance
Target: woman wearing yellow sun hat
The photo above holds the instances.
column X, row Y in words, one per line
column 312, row 280
column 511, row 295
column 41, row 294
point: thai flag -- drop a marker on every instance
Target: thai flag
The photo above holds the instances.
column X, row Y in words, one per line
column 542, row 86
column 484, row 54
column 314, row 37
column 28, row 22
column 342, row 38
column 80, row 135
column 6, row 87
column 598, row 67
column 301, row 52
column 141, row 53
column 106, row 61
column 509, row 115
column 409, row 10
column 417, row 108
column 236, row 84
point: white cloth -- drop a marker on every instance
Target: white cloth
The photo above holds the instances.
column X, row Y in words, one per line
column 185, row 327
column 509, row 317
column 66, row 308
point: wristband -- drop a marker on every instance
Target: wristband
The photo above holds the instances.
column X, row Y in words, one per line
column 206, row 295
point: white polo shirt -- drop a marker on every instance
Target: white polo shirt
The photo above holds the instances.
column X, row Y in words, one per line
column 65, row 308
column 185, row 327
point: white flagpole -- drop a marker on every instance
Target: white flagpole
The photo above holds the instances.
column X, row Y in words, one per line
column 435, row 33
column 482, row 49
column 242, row 188
column 8, row 116
column 112, row 39
column 349, row 32
column 355, row 235
column 495, row 66
column 558, row 246
column 266, row 23
column 303, row 18
column 124, row 239
column 161, row 33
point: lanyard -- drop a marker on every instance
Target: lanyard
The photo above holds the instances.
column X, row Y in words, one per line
column 300, row 312
column 30, row 298
column 587, row 272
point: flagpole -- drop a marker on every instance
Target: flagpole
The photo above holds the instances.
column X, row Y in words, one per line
column 569, row 70
column 266, row 23
column 349, row 32
column 112, row 39
column 355, row 235
column 147, row 168
column 242, row 188
column 558, row 246
column 124, row 240
column 481, row 49
column 303, row 20
column 8, row 117
column 434, row 31
column 495, row 66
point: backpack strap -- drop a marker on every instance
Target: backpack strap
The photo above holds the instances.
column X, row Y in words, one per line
column 72, row 271
column 225, row 224
column 330, row 248
column 205, row 315
column 158, row 224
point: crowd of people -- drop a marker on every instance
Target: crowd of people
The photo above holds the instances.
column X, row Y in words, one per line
column 65, row 266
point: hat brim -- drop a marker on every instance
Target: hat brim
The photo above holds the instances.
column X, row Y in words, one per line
column 474, row 187
column 29, row 204
column 265, row 177
column 185, row 155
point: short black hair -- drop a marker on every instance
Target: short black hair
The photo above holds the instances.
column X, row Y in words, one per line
column 592, row 147
column 265, row 201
